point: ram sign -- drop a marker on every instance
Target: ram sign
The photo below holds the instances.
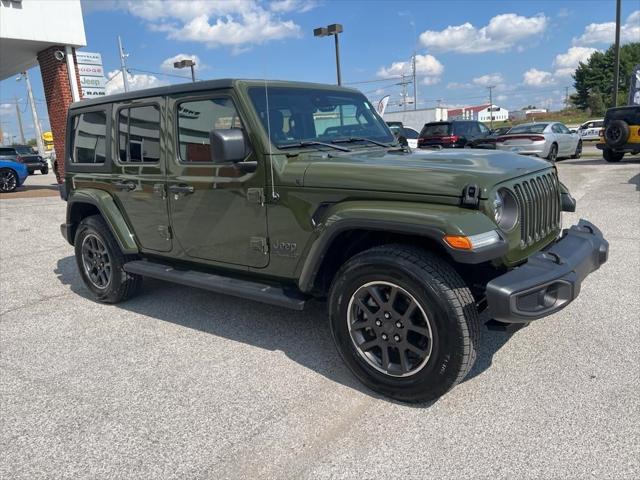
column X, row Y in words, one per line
column 91, row 73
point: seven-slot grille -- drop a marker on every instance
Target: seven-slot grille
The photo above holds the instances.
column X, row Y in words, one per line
column 539, row 201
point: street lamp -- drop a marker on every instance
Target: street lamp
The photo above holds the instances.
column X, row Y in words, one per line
column 333, row 29
column 187, row 63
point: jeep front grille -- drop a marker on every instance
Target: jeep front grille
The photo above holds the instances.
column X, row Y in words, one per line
column 539, row 202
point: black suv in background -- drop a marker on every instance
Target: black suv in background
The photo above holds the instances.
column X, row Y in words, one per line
column 455, row 134
column 27, row 156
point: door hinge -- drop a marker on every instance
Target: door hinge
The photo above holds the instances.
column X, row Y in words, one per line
column 165, row 231
column 255, row 195
column 259, row 244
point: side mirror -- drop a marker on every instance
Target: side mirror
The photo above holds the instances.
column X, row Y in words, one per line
column 574, row 131
column 228, row 146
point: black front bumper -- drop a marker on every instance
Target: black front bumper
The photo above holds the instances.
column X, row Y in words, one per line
column 550, row 279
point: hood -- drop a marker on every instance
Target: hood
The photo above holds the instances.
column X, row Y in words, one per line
column 442, row 172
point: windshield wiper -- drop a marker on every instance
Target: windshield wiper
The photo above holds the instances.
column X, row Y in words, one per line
column 361, row 139
column 311, row 144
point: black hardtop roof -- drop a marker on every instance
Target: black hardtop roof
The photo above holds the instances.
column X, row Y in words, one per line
column 198, row 87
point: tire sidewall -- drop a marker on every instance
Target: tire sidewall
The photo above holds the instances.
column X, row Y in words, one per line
column 624, row 133
column 11, row 172
column 95, row 227
column 443, row 366
column 554, row 151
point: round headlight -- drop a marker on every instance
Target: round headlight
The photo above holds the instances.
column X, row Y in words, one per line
column 505, row 209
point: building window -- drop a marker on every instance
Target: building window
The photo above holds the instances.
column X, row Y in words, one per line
column 196, row 119
column 89, row 137
column 139, row 134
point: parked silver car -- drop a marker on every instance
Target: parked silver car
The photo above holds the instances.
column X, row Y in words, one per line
column 548, row 140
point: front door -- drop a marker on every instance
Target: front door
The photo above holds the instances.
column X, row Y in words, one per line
column 217, row 212
column 139, row 166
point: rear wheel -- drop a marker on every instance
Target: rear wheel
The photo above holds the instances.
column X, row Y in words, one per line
column 611, row 155
column 578, row 152
column 100, row 262
column 8, row 180
column 44, row 170
column 553, row 153
column 404, row 322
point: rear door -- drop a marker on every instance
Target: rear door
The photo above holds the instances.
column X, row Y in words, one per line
column 139, row 179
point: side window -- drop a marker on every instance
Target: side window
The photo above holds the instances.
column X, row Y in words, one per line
column 139, row 134
column 563, row 128
column 196, row 119
column 89, row 137
column 6, row 151
column 555, row 128
column 482, row 128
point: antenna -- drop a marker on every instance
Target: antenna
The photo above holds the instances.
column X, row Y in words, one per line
column 274, row 195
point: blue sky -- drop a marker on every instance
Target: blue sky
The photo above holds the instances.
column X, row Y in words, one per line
column 528, row 49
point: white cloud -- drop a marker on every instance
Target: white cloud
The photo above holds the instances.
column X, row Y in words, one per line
column 458, row 85
column 489, row 79
column 427, row 66
column 501, row 34
column 237, row 24
column 7, row 107
column 566, row 63
column 604, row 33
column 300, row 6
column 167, row 64
column 136, row 82
column 537, row 78
column 501, row 98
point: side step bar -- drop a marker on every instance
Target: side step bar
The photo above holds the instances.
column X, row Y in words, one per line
column 216, row 283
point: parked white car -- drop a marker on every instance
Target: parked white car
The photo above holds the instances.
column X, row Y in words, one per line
column 548, row 140
column 591, row 130
column 407, row 132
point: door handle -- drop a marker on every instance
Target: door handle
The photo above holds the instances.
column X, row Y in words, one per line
column 126, row 186
column 181, row 189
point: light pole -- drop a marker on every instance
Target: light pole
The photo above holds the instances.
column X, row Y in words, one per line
column 333, row 29
column 187, row 63
column 34, row 113
column 123, row 65
column 616, row 60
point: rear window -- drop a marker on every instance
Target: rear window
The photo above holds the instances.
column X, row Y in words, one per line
column 25, row 151
column 529, row 128
column 409, row 133
column 436, row 129
column 89, row 137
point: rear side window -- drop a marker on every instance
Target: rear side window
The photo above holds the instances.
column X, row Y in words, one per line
column 436, row 129
column 139, row 134
column 89, row 137
column 465, row 128
column 7, row 151
column 196, row 119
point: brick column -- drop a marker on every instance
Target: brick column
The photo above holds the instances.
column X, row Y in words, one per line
column 57, row 92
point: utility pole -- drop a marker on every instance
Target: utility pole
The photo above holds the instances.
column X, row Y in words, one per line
column 616, row 62
column 415, row 84
column 34, row 113
column 22, row 140
column 491, row 87
column 123, row 65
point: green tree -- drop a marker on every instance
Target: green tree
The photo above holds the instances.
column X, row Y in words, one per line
column 32, row 142
column 595, row 77
column 595, row 102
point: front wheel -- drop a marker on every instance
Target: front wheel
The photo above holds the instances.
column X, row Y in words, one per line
column 578, row 152
column 44, row 170
column 611, row 155
column 553, row 153
column 404, row 322
column 100, row 262
column 8, row 180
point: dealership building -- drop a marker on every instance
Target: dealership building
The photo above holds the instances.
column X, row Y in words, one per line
column 481, row 113
column 45, row 33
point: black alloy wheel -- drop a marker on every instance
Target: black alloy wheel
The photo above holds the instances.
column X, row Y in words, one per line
column 96, row 261
column 8, row 180
column 389, row 329
column 553, row 153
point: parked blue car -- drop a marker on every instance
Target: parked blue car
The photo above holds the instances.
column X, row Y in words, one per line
column 12, row 175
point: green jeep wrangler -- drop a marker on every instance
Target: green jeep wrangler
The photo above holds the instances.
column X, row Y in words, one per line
column 281, row 192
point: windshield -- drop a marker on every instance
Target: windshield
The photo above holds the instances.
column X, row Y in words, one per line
column 529, row 128
column 308, row 114
column 25, row 151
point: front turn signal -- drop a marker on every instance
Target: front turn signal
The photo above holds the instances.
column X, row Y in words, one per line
column 459, row 242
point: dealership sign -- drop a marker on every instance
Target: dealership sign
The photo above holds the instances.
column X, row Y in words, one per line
column 91, row 74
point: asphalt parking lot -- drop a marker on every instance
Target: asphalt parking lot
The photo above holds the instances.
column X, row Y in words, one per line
column 182, row 383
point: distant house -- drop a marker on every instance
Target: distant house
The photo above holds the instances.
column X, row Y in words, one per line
column 481, row 113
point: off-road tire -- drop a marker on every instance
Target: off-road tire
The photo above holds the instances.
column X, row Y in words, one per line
column 44, row 170
column 611, row 155
column 122, row 285
column 443, row 296
column 578, row 152
column 553, row 153
column 617, row 133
